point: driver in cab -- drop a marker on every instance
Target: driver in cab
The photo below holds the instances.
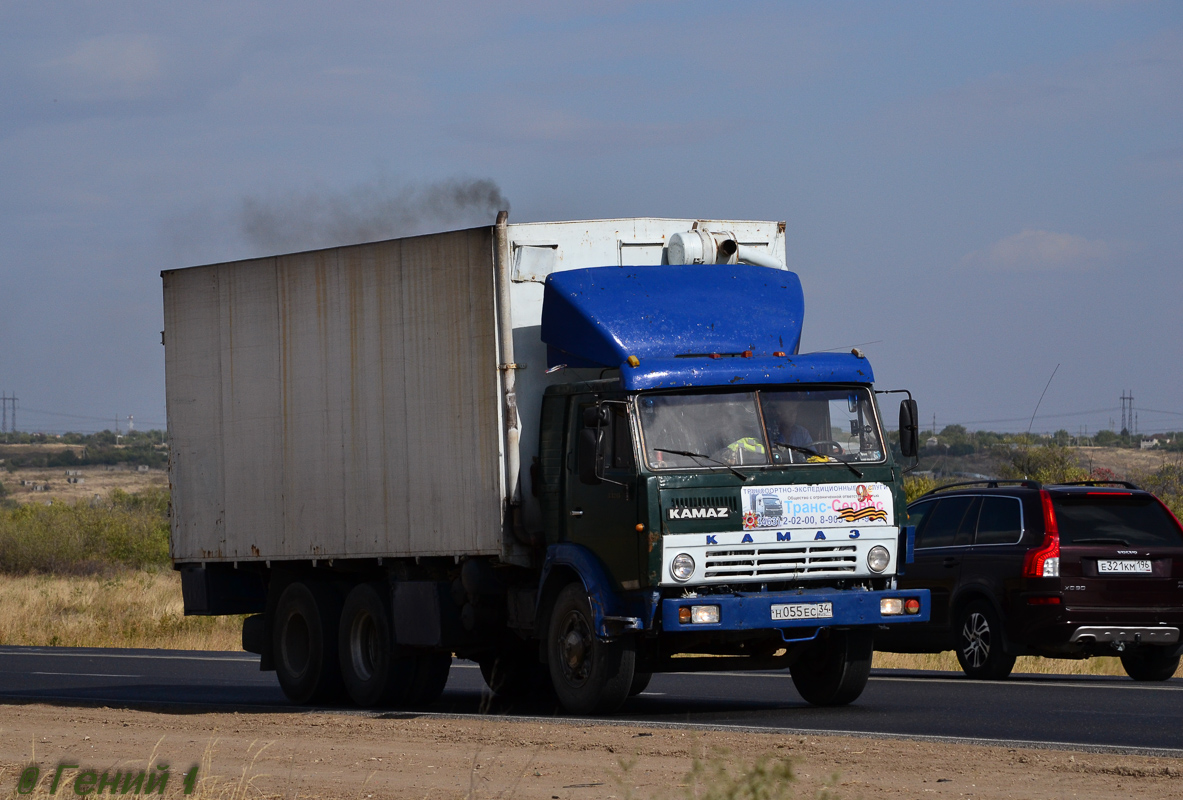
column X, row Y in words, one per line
column 781, row 422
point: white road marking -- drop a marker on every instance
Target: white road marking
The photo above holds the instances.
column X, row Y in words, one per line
column 149, row 656
column 87, row 674
column 1042, row 684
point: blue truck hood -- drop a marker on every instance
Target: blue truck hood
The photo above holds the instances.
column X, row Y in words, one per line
column 673, row 318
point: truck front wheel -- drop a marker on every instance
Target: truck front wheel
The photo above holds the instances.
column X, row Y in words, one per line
column 304, row 642
column 834, row 671
column 590, row 676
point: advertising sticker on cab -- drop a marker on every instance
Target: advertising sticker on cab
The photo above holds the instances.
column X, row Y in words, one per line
column 816, row 504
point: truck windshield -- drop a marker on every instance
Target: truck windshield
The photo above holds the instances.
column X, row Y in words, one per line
column 760, row 428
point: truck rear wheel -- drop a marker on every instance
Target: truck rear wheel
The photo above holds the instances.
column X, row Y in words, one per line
column 1149, row 664
column 590, row 676
column 304, row 642
column 370, row 667
column 834, row 671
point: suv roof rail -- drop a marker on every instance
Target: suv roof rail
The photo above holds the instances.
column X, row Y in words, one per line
column 1126, row 484
column 989, row 484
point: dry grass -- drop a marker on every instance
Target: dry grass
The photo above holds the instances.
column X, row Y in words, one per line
column 1102, row 665
column 97, row 480
column 128, row 609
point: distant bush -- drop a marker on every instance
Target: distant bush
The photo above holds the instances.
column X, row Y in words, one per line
column 124, row 531
column 1167, row 483
column 914, row 487
column 1046, row 464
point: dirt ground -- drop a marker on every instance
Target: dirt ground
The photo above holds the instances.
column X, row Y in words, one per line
column 328, row 755
column 96, row 480
column 1124, row 461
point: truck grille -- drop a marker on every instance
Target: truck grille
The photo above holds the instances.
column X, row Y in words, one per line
column 731, row 502
column 786, row 562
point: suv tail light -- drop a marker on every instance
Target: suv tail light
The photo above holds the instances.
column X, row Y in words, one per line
column 1044, row 561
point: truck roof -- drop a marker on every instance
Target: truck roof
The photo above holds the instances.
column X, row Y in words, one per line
column 666, row 326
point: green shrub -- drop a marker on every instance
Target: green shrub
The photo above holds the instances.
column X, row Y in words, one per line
column 127, row 530
column 1047, row 464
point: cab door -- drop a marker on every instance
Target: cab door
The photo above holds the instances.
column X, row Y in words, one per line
column 602, row 512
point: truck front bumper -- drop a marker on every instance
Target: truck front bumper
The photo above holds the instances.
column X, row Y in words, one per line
column 755, row 611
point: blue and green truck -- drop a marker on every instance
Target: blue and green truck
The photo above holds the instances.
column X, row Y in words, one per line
column 576, row 453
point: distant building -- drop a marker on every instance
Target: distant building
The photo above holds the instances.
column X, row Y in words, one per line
column 1147, row 444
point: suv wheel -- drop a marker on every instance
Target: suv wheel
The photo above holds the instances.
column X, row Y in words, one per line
column 979, row 643
column 1149, row 664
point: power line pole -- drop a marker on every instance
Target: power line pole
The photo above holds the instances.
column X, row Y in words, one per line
column 7, row 423
column 1127, row 412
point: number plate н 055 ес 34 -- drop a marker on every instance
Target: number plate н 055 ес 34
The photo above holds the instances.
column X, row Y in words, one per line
column 803, row 611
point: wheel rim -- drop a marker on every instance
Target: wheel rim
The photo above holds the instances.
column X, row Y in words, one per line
column 975, row 636
column 297, row 644
column 575, row 648
column 364, row 646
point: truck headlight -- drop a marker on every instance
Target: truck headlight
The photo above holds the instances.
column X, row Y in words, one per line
column 877, row 558
column 682, row 567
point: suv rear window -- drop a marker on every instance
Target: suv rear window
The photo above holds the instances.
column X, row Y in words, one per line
column 1096, row 518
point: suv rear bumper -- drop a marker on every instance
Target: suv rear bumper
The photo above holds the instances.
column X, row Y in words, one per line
column 1092, row 631
column 1107, row 634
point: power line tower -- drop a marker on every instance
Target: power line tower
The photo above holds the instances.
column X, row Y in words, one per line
column 1127, row 412
column 7, row 422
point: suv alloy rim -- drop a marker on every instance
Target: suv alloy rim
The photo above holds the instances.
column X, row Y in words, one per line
column 976, row 636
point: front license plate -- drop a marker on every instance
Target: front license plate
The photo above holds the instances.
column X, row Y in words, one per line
column 1107, row 567
column 803, row 611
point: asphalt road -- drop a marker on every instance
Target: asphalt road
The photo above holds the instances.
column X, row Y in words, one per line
column 1093, row 712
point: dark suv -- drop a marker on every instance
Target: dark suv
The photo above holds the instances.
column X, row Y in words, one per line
column 1063, row 571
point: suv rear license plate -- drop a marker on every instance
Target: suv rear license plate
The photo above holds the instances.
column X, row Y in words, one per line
column 803, row 611
column 1105, row 566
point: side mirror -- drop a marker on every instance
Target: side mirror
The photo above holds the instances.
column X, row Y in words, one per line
column 587, row 456
column 909, row 428
column 596, row 416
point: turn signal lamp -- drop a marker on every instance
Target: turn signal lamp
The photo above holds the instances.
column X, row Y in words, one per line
column 911, row 606
column 633, row 361
column 684, row 615
column 1044, row 561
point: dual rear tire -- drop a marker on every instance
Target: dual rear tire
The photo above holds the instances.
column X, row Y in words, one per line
column 324, row 647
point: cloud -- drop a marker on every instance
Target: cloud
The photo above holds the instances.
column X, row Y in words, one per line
column 1040, row 250
column 1111, row 86
column 108, row 67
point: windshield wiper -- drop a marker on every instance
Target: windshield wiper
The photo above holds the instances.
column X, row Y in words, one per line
column 811, row 452
column 688, row 454
column 1102, row 540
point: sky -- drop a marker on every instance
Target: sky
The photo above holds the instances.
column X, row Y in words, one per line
column 978, row 194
